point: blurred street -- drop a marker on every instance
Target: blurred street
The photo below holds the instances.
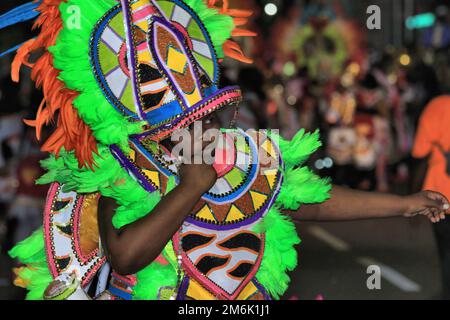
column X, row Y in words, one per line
column 333, row 259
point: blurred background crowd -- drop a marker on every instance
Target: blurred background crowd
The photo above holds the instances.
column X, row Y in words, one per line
column 316, row 66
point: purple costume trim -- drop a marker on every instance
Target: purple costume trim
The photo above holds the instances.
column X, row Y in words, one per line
column 181, row 295
column 261, row 289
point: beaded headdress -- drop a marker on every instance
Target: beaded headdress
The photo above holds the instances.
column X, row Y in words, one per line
column 111, row 69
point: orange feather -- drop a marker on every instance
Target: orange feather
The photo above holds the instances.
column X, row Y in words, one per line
column 71, row 132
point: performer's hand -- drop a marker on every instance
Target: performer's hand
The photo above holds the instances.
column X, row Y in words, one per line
column 197, row 177
column 431, row 204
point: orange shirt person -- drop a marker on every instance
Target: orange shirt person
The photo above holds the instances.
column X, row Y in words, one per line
column 432, row 151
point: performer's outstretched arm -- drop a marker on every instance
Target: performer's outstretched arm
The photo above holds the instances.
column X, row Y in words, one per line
column 136, row 245
column 348, row 204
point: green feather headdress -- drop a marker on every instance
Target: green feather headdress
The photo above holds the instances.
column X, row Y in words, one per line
column 73, row 98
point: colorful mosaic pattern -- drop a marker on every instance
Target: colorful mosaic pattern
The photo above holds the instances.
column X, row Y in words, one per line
column 154, row 61
column 64, row 215
column 109, row 59
column 202, row 49
column 220, row 250
column 223, row 262
column 242, row 195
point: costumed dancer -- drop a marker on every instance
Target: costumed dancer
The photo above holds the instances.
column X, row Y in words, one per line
column 124, row 219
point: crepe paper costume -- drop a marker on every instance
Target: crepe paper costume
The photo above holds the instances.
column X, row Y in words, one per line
column 118, row 77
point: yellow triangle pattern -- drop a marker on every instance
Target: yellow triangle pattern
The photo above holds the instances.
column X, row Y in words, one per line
column 132, row 155
column 248, row 291
column 206, row 213
column 258, row 199
column 269, row 148
column 153, row 176
column 144, row 56
column 271, row 177
column 234, row 214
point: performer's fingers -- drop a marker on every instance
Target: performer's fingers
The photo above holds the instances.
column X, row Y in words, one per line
column 436, row 214
column 438, row 200
column 430, row 216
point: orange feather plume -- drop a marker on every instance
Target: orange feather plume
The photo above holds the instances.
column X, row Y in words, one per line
column 71, row 132
column 240, row 17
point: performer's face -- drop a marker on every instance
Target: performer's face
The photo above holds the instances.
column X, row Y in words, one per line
column 196, row 132
column 203, row 133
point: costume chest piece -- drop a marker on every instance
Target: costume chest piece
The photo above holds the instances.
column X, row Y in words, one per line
column 220, row 249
